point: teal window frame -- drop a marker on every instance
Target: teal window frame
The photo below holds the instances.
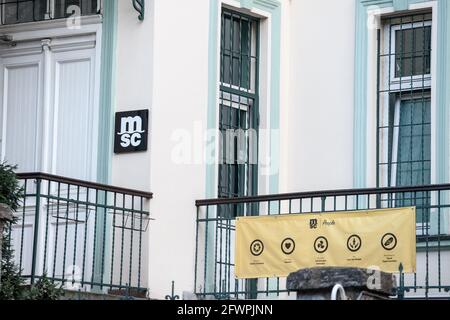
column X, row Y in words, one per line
column 404, row 110
column 272, row 10
column 361, row 85
column 441, row 92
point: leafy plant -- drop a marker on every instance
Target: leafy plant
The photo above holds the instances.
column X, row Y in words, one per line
column 11, row 193
column 12, row 285
column 45, row 290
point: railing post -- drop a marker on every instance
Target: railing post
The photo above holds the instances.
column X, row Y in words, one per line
column 401, row 287
column 36, row 229
column 323, row 208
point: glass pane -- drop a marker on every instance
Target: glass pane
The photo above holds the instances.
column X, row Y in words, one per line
column 21, row 11
column 233, row 120
column 236, row 51
column 414, row 153
column 413, row 51
column 65, row 8
column 14, row 11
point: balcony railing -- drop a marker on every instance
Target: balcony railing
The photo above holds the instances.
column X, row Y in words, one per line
column 216, row 233
column 86, row 236
column 22, row 11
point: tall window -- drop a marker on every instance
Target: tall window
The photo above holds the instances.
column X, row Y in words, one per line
column 21, row 11
column 238, row 105
column 404, row 109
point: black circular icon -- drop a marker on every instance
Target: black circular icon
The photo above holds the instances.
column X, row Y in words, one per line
column 288, row 246
column 389, row 241
column 321, row 245
column 257, row 248
column 354, row 243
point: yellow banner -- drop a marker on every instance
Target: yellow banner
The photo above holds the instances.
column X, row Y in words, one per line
column 275, row 246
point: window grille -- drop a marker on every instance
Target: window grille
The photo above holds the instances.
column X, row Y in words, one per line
column 238, row 105
column 404, row 110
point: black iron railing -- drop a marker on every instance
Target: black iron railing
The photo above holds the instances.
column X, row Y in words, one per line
column 22, row 11
column 216, row 234
column 85, row 236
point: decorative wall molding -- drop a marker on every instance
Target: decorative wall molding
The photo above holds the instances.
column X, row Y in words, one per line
column 107, row 91
column 268, row 4
column 49, row 25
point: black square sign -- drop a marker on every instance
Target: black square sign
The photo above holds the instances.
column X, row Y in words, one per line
column 131, row 131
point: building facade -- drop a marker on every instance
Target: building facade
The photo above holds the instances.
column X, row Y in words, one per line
column 245, row 98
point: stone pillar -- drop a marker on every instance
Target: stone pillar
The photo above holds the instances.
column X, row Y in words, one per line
column 359, row 284
column 5, row 217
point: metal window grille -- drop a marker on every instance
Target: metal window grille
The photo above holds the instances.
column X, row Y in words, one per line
column 238, row 125
column 238, row 104
column 404, row 110
column 22, row 11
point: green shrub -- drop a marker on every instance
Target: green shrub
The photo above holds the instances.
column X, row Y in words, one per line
column 12, row 285
column 45, row 290
column 11, row 193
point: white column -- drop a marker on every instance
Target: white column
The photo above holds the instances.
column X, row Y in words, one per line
column 46, row 165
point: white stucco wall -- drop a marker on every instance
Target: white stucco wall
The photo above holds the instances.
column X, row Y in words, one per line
column 180, row 94
column 133, row 87
column 321, row 72
column 162, row 64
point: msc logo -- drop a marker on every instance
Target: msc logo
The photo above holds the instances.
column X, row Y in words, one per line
column 131, row 131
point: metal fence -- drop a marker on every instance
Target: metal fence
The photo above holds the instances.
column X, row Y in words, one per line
column 86, row 236
column 22, row 11
column 216, row 235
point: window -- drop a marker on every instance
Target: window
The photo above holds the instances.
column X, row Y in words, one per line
column 415, row 43
column 21, row 11
column 238, row 105
column 62, row 8
column 59, row 137
column 404, row 110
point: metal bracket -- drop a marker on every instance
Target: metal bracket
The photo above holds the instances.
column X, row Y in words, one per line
column 139, row 6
